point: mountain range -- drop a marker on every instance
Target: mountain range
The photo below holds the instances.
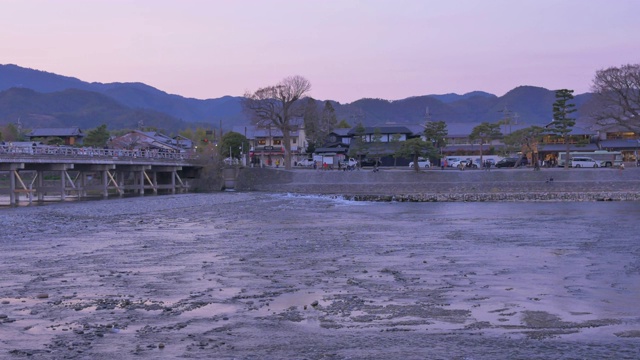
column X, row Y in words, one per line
column 43, row 99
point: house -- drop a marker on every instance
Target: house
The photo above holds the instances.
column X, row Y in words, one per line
column 267, row 143
column 141, row 140
column 69, row 136
column 336, row 143
column 618, row 138
column 182, row 142
column 580, row 139
column 380, row 142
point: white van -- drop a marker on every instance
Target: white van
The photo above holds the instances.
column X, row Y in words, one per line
column 584, row 162
column 452, row 159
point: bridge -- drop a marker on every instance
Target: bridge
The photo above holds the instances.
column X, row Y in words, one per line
column 59, row 172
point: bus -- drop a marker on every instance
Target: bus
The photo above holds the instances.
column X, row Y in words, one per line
column 603, row 157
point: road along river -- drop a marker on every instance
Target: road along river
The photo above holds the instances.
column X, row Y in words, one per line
column 273, row 276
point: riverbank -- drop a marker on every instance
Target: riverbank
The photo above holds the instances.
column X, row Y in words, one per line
column 555, row 184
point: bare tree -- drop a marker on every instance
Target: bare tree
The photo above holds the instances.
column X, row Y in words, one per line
column 617, row 96
column 276, row 106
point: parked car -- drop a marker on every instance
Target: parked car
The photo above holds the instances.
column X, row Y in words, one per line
column 305, row 163
column 468, row 163
column 349, row 163
column 422, row 163
column 511, row 162
column 578, row 162
column 452, row 160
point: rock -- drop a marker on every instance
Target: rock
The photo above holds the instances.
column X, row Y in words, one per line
column 42, row 296
column 314, row 303
column 161, row 345
column 5, row 302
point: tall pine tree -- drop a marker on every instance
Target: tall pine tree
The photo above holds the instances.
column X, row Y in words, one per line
column 562, row 122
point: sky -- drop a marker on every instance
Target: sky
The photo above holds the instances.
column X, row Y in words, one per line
column 347, row 49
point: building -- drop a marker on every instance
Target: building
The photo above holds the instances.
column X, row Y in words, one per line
column 267, row 143
column 70, row 136
column 617, row 138
column 579, row 139
column 336, row 144
column 145, row 140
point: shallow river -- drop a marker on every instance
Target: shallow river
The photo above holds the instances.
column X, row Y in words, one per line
column 263, row 276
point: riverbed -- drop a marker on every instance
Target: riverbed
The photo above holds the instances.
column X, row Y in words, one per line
column 280, row 276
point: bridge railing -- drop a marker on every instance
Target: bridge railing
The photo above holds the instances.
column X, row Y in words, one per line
column 68, row 151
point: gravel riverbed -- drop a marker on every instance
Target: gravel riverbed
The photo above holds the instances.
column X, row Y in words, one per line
column 278, row 276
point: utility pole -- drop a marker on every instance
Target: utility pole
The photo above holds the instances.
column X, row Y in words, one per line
column 506, row 120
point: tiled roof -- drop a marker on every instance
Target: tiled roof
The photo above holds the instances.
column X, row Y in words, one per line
column 469, row 147
column 341, row 131
column 620, row 144
column 384, row 129
column 563, row 147
column 47, row 132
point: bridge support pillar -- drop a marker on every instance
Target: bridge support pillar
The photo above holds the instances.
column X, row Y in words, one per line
column 154, row 180
column 120, row 179
column 82, row 192
column 13, row 196
column 105, row 182
column 40, row 175
column 63, row 185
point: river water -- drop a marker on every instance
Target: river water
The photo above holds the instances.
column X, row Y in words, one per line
column 272, row 276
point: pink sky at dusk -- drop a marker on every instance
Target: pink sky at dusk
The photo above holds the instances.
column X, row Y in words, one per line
column 348, row 49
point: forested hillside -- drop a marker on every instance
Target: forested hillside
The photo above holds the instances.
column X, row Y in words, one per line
column 40, row 99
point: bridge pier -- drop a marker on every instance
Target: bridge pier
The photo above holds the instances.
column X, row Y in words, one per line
column 174, row 173
column 12, row 168
column 40, row 181
column 63, row 191
column 105, row 183
column 141, row 175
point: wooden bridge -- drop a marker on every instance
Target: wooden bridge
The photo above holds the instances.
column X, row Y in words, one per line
column 59, row 172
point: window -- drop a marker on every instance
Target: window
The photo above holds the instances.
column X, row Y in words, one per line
column 262, row 142
column 277, row 142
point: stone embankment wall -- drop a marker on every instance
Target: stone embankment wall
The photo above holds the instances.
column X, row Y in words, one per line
column 451, row 185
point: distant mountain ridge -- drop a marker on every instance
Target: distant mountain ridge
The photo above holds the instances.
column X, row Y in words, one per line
column 122, row 104
column 73, row 107
column 452, row 97
column 134, row 95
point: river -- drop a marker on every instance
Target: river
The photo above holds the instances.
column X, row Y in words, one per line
column 274, row 276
